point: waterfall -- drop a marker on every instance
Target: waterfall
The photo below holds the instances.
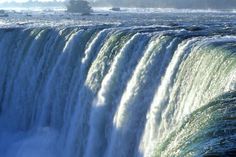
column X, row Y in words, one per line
column 120, row 92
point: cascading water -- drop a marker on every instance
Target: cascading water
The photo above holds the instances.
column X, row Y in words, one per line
column 116, row 92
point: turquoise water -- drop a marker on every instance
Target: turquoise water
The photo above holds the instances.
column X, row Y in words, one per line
column 163, row 86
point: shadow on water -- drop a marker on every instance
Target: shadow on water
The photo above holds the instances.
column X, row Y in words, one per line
column 29, row 59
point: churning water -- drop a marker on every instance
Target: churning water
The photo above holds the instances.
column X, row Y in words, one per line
column 141, row 85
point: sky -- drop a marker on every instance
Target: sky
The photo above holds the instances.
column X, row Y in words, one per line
column 2, row 1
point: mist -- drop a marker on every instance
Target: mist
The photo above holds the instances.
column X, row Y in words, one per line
column 191, row 4
column 179, row 4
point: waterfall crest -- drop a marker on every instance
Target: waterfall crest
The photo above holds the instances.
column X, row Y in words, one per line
column 105, row 92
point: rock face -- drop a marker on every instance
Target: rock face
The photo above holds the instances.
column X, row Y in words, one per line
column 115, row 9
column 79, row 6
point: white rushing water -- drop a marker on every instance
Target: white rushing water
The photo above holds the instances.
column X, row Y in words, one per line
column 113, row 91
